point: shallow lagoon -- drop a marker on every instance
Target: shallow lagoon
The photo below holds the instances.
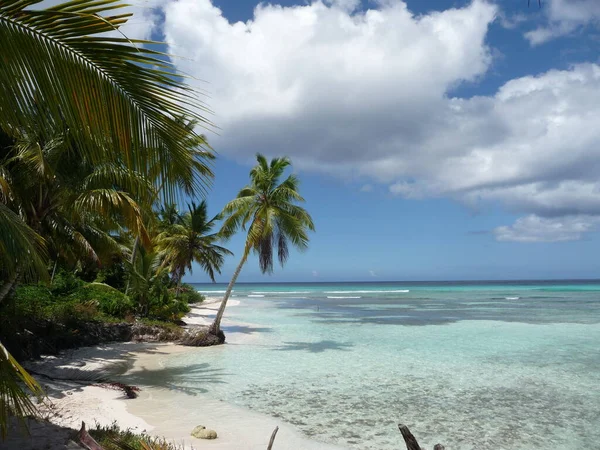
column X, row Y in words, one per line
column 482, row 366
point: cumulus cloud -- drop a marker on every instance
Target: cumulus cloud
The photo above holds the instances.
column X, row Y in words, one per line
column 332, row 87
column 367, row 95
column 538, row 229
column 564, row 17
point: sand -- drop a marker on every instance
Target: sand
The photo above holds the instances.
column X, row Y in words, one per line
column 73, row 401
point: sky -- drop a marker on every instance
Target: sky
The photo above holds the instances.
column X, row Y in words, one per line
column 435, row 139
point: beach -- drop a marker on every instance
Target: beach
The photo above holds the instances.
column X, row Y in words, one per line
column 71, row 399
column 471, row 366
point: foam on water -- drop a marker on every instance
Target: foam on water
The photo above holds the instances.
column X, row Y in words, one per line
column 397, row 291
column 473, row 369
column 281, row 292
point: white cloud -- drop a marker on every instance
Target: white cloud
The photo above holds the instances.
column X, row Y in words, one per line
column 538, row 229
column 321, row 82
column 564, row 17
column 366, row 188
column 365, row 95
column 373, row 273
column 315, row 273
column 534, row 146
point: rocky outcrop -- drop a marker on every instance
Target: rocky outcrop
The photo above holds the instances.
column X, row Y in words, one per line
column 47, row 338
column 154, row 333
column 38, row 338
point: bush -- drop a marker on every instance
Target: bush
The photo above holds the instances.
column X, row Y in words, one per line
column 107, row 299
column 36, row 302
column 172, row 309
column 114, row 274
column 190, row 295
column 65, row 282
column 31, row 300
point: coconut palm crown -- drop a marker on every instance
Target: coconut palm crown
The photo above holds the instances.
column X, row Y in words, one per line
column 190, row 238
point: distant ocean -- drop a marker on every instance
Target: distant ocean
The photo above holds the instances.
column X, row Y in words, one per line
column 473, row 365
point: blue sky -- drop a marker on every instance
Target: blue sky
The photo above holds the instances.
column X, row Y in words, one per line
column 435, row 140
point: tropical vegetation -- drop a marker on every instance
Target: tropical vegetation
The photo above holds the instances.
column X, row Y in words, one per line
column 98, row 144
column 95, row 130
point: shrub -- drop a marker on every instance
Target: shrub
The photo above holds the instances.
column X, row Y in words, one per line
column 171, row 309
column 31, row 300
column 114, row 274
column 65, row 282
column 70, row 312
column 107, row 299
column 190, row 295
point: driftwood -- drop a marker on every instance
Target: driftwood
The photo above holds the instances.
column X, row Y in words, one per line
column 130, row 391
column 86, row 440
column 272, row 438
column 411, row 441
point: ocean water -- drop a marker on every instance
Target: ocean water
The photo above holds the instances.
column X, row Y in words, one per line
column 470, row 365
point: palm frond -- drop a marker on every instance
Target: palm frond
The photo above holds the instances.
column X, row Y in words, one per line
column 14, row 384
column 22, row 249
column 114, row 96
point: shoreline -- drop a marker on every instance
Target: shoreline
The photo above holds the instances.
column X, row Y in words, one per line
column 72, row 401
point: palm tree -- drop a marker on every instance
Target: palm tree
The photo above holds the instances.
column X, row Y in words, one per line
column 168, row 215
column 62, row 72
column 118, row 101
column 189, row 238
column 267, row 210
column 78, row 208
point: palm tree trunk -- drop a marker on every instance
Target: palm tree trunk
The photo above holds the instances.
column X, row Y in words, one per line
column 6, row 287
column 179, row 281
column 216, row 325
column 134, row 250
column 54, row 271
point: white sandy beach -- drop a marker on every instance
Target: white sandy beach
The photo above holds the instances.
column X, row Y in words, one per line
column 71, row 402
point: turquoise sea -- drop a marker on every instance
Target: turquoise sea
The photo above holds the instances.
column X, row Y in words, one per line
column 482, row 365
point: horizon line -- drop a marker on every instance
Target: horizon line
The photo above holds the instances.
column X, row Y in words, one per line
column 508, row 280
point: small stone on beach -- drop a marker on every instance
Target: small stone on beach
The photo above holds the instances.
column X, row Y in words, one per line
column 202, row 432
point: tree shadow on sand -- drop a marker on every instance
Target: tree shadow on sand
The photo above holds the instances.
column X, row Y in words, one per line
column 190, row 379
column 73, row 370
column 315, row 347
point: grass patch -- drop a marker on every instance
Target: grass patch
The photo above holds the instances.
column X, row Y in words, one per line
column 114, row 438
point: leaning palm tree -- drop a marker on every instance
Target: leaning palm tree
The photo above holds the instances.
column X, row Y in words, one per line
column 267, row 210
column 192, row 240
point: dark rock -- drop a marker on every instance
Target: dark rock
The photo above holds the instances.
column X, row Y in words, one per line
column 154, row 333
